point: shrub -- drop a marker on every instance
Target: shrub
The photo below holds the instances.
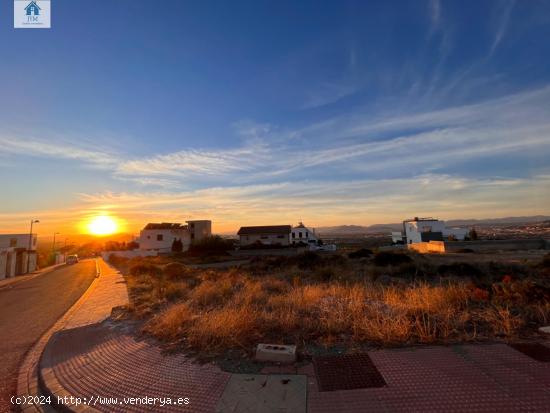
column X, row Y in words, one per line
column 465, row 250
column 171, row 322
column 545, row 263
column 458, row 269
column 145, row 269
column 211, row 293
column 307, row 261
column 386, row 258
column 210, row 246
column 175, row 271
column 361, row 253
column 175, row 291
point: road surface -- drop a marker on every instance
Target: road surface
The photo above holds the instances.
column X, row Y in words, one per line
column 28, row 308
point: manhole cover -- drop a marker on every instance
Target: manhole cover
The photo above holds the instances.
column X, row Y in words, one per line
column 536, row 351
column 347, row 372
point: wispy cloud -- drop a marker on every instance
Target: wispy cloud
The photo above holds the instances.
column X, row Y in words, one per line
column 333, row 202
column 502, row 23
column 402, row 142
column 59, row 149
column 434, row 7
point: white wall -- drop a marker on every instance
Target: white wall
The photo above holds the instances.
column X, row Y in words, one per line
column 148, row 239
column 199, row 229
column 3, row 263
column 414, row 229
column 267, row 239
column 458, row 233
column 17, row 241
column 129, row 254
column 302, row 234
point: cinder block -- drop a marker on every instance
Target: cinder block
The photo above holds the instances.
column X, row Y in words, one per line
column 279, row 353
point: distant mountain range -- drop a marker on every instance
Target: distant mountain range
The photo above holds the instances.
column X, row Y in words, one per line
column 378, row 228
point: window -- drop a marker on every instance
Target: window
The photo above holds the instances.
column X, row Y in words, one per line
column 307, row 234
column 159, row 237
column 293, row 235
column 148, row 236
column 300, row 235
column 280, row 236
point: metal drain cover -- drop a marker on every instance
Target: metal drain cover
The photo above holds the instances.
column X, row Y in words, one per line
column 536, row 351
column 346, row 372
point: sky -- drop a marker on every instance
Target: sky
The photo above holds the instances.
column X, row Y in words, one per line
column 273, row 112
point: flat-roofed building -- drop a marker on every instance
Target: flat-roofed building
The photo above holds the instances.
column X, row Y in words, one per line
column 17, row 254
column 265, row 234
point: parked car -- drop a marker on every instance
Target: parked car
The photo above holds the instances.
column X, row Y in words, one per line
column 72, row 259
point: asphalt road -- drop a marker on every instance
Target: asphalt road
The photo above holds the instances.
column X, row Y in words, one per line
column 28, row 309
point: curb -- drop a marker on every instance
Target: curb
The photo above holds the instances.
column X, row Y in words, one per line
column 29, row 381
column 12, row 281
column 50, row 386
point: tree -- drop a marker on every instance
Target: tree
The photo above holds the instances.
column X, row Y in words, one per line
column 177, row 245
column 473, row 234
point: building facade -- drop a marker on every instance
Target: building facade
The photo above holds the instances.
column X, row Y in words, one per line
column 199, row 229
column 160, row 237
column 430, row 229
column 17, row 254
column 302, row 234
column 267, row 235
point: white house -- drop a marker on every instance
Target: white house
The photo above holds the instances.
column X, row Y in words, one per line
column 429, row 229
column 17, row 254
column 267, row 235
column 160, row 237
column 301, row 233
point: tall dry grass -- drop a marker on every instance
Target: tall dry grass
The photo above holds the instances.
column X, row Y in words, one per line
column 233, row 311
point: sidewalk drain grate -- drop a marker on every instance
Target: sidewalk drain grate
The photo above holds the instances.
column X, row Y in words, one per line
column 347, row 372
column 536, row 351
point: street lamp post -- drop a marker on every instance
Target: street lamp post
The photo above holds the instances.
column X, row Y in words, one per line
column 33, row 221
column 53, row 247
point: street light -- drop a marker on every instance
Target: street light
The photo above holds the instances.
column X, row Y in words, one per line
column 53, row 245
column 33, row 221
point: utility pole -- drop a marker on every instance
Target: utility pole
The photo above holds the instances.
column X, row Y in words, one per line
column 33, row 221
column 53, row 245
column 53, row 248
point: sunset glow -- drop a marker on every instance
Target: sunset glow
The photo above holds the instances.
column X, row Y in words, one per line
column 102, row 225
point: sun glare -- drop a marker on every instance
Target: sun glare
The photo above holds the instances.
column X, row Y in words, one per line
column 102, row 225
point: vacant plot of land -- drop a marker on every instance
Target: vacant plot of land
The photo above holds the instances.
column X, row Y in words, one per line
column 384, row 299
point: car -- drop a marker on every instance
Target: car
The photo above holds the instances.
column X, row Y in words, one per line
column 72, row 259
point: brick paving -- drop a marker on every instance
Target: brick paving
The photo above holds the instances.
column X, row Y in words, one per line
column 468, row 378
column 105, row 359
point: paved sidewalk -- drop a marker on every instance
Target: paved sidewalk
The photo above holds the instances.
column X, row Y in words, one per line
column 89, row 358
column 8, row 282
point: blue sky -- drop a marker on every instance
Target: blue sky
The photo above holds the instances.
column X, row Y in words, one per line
column 269, row 112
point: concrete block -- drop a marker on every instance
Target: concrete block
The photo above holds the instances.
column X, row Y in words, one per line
column 276, row 352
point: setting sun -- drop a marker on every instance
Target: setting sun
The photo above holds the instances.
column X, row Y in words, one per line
column 102, row 225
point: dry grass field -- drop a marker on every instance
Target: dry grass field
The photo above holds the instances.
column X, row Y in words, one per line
column 383, row 299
